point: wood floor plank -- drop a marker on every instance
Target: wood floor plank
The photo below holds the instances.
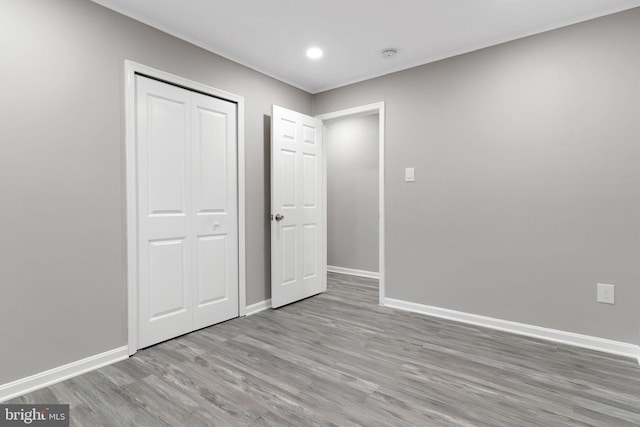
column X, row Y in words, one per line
column 340, row 359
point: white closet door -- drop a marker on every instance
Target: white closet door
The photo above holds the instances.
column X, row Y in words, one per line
column 298, row 263
column 187, row 215
column 164, row 211
column 215, row 204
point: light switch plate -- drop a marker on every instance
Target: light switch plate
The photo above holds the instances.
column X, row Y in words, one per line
column 409, row 175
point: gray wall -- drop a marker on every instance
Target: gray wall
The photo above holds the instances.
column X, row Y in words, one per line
column 352, row 192
column 62, row 191
column 527, row 160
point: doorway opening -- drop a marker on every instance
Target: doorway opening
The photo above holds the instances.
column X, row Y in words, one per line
column 354, row 219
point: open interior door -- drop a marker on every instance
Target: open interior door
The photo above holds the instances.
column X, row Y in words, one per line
column 298, row 255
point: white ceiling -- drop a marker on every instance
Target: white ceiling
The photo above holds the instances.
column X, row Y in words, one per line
column 272, row 36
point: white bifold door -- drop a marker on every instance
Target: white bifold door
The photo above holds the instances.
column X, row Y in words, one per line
column 298, row 256
column 186, row 147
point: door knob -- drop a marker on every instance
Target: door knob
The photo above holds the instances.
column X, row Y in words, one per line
column 279, row 217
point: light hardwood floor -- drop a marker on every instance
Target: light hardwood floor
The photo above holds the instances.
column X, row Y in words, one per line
column 340, row 359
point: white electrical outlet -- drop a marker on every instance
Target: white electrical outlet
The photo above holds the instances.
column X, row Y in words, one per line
column 606, row 293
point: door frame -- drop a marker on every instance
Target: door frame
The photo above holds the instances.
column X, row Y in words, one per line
column 130, row 70
column 374, row 108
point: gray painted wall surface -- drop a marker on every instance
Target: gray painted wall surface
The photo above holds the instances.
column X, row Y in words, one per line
column 352, row 192
column 62, row 173
column 527, row 160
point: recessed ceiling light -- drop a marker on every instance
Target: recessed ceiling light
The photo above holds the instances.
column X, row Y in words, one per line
column 314, row 52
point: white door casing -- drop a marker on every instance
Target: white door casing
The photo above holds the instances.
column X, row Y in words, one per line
column 298, row 258
column 187, row 211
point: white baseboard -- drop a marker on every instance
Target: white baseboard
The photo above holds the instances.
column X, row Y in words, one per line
column 570, row 338
column 258, row 307
column 43, row 379
column 353, row 272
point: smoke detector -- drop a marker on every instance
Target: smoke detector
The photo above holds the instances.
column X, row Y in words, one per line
column 389, row 53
